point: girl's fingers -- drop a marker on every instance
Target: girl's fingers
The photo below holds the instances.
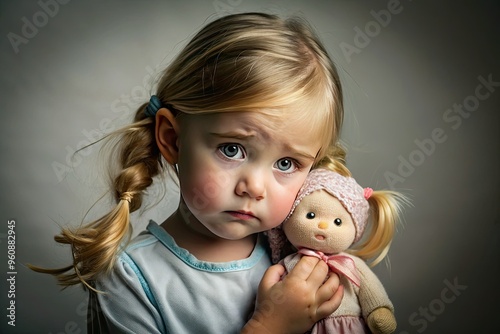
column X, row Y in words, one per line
column 326, row 291
column 332, row 283
column 330, row 305
column 272, row 276
column 305, row 268
column 319, row 273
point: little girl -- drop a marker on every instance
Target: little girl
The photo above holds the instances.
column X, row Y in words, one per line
column 246, row 110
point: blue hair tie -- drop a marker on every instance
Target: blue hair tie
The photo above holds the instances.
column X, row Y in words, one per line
column 153, row 106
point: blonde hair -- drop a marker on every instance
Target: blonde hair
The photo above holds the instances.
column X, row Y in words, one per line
column 384, row 216
column 244, row 62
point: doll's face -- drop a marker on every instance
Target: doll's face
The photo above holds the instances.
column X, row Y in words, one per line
column 320, row 222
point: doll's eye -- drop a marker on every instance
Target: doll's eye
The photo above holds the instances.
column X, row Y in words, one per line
column 310, row 215
column 337, row 221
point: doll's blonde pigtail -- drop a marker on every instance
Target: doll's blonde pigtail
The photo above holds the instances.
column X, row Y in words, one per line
column 385, row 212
column 95, row 245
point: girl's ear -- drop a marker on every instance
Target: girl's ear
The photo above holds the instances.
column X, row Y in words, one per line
column 167, row 135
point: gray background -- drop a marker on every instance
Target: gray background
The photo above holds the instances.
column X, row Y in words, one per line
column 88, row 65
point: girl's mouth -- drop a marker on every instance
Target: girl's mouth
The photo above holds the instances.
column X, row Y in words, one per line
column 242, row 215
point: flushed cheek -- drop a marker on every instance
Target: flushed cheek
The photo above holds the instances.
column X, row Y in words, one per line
column 203, row 192
column 280, row 207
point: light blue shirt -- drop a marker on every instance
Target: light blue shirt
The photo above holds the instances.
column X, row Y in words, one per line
column 158, row 287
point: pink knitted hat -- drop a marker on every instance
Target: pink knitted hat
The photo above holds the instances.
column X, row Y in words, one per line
column 352, row 196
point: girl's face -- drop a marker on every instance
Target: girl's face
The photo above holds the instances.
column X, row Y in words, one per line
column 239, row 172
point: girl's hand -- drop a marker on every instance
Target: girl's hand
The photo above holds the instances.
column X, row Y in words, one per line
column 295, row 303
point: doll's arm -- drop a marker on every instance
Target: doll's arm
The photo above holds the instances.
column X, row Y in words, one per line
column 295, row 303
column 381, row 321
column 375, row 303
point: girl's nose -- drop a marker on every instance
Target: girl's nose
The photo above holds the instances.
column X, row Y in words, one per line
column 252, row 185
column 323, row 225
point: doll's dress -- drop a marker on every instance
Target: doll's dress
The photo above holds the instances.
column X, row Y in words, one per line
column 340, row 325
column 349, row 317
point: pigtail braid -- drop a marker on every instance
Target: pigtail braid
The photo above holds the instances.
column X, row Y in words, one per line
column 386, row 208
column 96, row 245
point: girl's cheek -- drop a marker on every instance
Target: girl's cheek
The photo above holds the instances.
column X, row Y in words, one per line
column 281, row 206
column 202, row 192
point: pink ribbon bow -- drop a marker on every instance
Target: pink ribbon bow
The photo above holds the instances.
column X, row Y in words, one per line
column 340, row 264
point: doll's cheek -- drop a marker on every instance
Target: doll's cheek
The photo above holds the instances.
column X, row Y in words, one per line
column 297, row 234
column 340, row 244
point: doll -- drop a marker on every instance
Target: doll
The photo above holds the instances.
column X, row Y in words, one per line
column 329, row 216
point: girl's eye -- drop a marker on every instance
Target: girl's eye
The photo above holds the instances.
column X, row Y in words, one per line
column 232, row 151
column 337, row 221
column 286, row 165
column 310, row 215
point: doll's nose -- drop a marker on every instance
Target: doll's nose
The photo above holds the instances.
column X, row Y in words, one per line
column 323, row 225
